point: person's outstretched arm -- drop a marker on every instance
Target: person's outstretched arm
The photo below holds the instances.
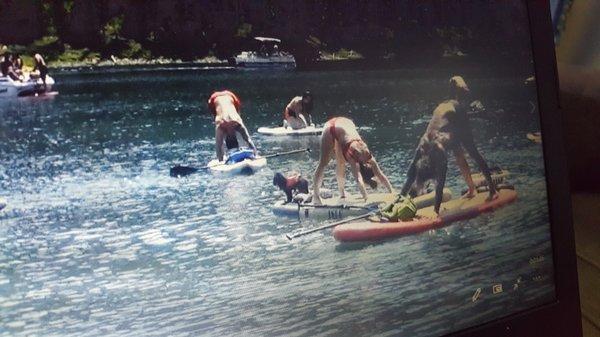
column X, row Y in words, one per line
column 381, row 177
column 355, row 169
column 465, row 170
column 246, row 137
column 411, row 175
column 439, row 185
column 219, row 138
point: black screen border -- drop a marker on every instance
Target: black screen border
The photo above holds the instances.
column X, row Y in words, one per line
column 563, row 316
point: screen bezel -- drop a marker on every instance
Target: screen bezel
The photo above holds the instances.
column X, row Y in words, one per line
column 563, row 316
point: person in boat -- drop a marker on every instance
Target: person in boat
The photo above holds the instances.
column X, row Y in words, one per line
column 340, row 138
column 8, row 69
column 291, row 185
column 18, row 63
column 40, row 67
column 298, row 110
column 225, row 107
column 447, row 131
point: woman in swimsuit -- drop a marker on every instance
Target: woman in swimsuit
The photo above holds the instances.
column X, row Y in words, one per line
column 341, row 137
column 225, row 106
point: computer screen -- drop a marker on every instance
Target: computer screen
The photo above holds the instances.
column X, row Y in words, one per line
column 306, row 168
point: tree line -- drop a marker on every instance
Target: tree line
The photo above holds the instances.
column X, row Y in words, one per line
column 407, row 31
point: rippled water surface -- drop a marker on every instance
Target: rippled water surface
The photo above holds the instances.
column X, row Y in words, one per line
column 97, row 239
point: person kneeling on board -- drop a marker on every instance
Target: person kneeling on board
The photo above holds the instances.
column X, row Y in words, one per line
column 225, row 107
column 293, row 185
column 297, row 111
column 448, row 130
column 341, row 138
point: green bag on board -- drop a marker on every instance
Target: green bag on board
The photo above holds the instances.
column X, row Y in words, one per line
column 402, row 209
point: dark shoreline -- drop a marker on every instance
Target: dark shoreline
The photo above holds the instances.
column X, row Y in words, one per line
column 440, row 67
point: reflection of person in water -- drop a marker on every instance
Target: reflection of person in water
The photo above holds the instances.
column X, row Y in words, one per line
column 225, row 106
column 448, row 130
column 341, row 138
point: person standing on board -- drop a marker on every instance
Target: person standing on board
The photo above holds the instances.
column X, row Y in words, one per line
column 225, row 107
column 297, row 112
column 41, row 67
column 447, row 131
column 340, row 138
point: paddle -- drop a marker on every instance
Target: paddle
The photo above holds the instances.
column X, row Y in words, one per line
column 336, row 207
column 181, row 171
column 295, row 235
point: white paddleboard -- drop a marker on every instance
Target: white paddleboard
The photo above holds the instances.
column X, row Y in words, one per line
column 281, row 131
column 245, row 166
column 352, row 205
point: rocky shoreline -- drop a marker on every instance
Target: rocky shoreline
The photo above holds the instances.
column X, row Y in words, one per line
column 124, row 62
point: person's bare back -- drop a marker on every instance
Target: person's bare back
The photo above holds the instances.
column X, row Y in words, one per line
column 225, row 107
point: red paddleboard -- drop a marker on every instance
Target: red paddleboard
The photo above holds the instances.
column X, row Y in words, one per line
column 426, row 219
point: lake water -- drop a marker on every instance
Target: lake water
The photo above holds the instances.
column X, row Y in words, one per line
column 97, row 239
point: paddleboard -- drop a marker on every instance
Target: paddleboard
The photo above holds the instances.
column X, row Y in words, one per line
column 281, row 131
column 246, row 166
column 352, row 205
column 498, row 177
column 426, row 219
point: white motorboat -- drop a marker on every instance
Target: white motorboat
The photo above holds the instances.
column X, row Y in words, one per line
column 267, row 55
column 26, row 87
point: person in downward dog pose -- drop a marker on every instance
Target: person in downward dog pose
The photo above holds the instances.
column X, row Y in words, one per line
column 297, row 113
column 340, row 138
column 225, row 107
column 447, row 131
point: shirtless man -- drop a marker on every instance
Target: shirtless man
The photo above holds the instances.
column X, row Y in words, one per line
column 448, row 130
column 297, row 111
column 341, row 137
column 225, row 106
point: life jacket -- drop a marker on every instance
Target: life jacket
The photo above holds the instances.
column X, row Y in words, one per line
column 292, row 181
